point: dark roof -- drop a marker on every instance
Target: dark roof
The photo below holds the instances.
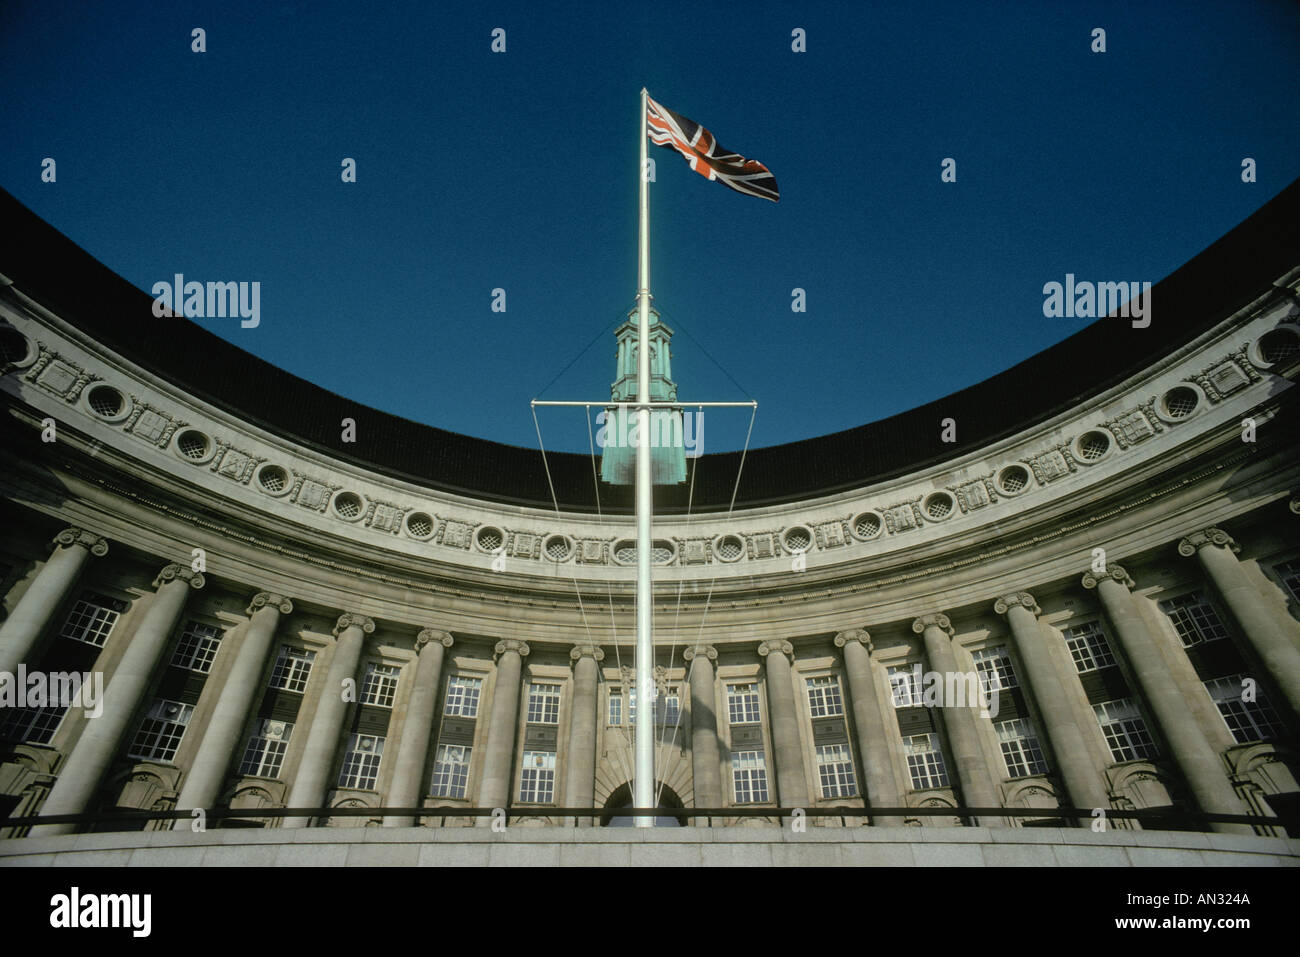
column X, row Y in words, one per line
column 50, row 268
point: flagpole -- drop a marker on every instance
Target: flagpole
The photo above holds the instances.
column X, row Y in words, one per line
column 644, row 779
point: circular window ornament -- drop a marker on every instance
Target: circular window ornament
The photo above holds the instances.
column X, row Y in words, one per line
column 557, row 548
column 729, row 548
column 107, row 403
column 420, row 525
column 489, row 538
column 273, row 479
column 939, row 506
column 348, row 506
column 1277, row 346
column 797, row 539
column 867, row 525
column 661, row 552
column 1178, row 403
column 193, row 446
column 1092, row 447
column 15, row 349
column 1013, row 480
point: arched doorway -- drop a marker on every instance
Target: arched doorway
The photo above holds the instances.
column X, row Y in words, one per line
column 622, row 797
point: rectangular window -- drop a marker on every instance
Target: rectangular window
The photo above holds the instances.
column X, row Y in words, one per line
column 380, row 685
column 1088, row 647
column 1194, row 619
column 835, row 770
column 905, row 683
column 543, row 704
column 451, row 771
column 92, row 618
column 925, row 761
column 1248, row 720
column 668, row 708
column 160, row 733
column 995, row 669
column 824, row 700
column 537, row 777
column 292, row 669
column 1289, row 572
column 1125, row 731
column 30, row 725
column 749, row 776
column 1020, row 748
column 361, row 764
column 742, row 705
column 197, row 647
column 615, row 705
column 462, row 696
column 265, row 752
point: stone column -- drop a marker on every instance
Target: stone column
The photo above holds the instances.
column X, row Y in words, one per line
column 873, row 738
column 1075, row 751
column 494, row 791
column 47, row 592
column 706, row 763
column 1216, row 551
column 963, row 734
column 102, row 738
column 221, row 740
column 312, row 780
column 413, row 749
column 1200, row 763
column 580, row 787
column 792, row 785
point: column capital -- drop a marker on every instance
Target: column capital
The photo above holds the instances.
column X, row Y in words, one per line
column 1295, row 506
column 933, row 621
column 859, row 635
column 1017, row 598
column 1194, row 542
column 264, row 598
column 1113, row 572
column 174, row 572
column 512, row 644
column 427, row 635
column 708, row 651
column 776, row 644
column 586, row 651
column 348, row 620
column 97, row 545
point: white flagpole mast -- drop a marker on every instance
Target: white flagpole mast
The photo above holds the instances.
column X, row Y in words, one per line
column 643, row 788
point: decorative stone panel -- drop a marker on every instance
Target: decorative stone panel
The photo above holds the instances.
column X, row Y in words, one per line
column 976, row 494
column 832, row 534
column 310, row 493
column 151, row 424
column 1134, row 426
column 903, row 516
column 524, row 545
column 455, row 534
column 763, row 545
column 1053, row 464
column 386, row 517
column 591, row 551
column 234, row 464
column 694, row 551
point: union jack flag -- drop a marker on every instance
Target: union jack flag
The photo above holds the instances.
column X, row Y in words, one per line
column 706, row 157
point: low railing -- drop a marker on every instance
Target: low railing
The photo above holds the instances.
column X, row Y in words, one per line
column 1169, row 818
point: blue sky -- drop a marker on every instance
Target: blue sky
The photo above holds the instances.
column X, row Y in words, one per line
column 517, row 170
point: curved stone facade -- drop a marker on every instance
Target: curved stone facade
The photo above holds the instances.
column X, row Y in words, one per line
column 276, row 627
